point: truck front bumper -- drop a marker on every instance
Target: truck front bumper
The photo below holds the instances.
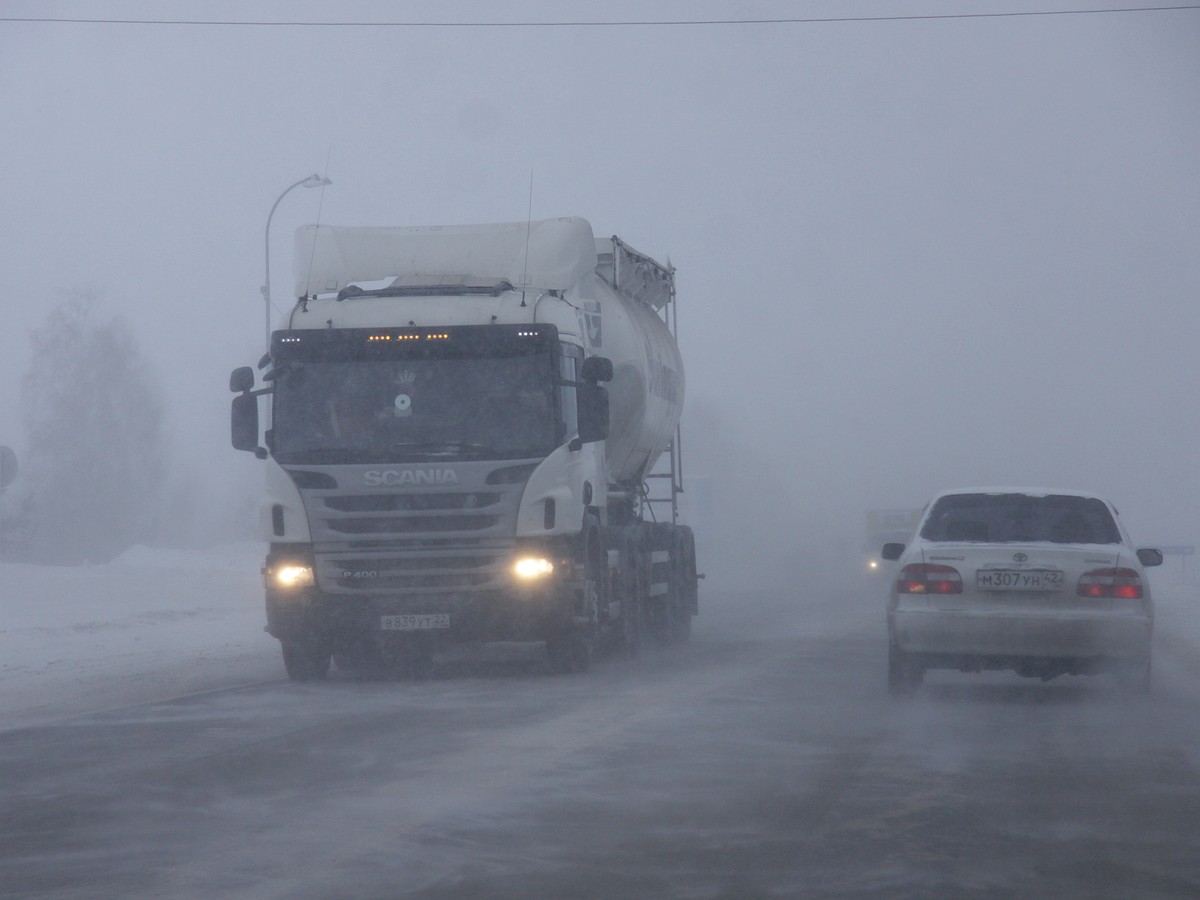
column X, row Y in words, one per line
column 483, row 616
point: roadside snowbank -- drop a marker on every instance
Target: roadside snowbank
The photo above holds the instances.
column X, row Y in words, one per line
column 152, row 623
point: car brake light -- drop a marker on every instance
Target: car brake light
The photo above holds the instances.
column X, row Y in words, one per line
column 1124, row 584
column 929, row 578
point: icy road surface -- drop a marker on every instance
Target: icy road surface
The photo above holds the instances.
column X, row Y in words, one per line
column 150, row 747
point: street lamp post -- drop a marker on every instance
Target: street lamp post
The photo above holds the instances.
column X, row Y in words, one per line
column 310, row 182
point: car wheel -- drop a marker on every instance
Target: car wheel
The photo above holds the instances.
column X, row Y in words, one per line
column 904, row 673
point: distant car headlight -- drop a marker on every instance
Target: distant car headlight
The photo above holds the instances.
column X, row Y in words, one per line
column 533, row 568
column 290, row 576
column 873, row 565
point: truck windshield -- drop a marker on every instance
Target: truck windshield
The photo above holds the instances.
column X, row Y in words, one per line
column 392, row 410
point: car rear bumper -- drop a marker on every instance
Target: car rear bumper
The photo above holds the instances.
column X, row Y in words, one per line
column 1060, row 635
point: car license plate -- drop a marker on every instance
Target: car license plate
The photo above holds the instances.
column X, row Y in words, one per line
column 417, row 622
column 1019, row 580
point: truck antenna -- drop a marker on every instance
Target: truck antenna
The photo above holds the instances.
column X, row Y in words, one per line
column 528, row 225
column 312, row 254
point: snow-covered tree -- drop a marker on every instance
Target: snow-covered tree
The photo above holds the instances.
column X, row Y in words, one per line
column 94, row 419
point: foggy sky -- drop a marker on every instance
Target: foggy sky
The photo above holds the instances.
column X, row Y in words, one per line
column 911, row 254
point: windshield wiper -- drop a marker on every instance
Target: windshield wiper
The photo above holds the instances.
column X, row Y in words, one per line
column 382, row 453
column 440, row 448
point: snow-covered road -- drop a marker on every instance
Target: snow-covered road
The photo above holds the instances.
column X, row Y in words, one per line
column 151, row 747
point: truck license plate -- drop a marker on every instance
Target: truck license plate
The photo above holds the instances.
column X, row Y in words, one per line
column 1019, row 580
column 417, row 622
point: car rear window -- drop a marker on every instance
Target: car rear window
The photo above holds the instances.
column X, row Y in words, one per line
column 1000, row 518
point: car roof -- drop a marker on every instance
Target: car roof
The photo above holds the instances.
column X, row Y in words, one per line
column 1030, row 491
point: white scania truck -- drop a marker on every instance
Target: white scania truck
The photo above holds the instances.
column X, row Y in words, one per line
column 462, row 432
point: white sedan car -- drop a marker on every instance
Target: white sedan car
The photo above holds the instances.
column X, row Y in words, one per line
column 1043, row 583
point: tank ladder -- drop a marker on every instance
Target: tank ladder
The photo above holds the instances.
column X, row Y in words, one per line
column 664, row 483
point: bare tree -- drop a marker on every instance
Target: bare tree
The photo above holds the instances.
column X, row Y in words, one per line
column 94, row 420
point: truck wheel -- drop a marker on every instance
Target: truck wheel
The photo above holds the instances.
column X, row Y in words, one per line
column 305, row 660
column 683, row 582
column 633, row 596
column 659, row 612
column 595, row 563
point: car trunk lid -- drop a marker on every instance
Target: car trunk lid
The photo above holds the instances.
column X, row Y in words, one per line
column 1022, row 577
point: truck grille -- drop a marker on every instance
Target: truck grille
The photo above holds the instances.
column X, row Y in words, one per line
column 432, row 539
column 427, row 525
column 411, row 502
column 425, row 572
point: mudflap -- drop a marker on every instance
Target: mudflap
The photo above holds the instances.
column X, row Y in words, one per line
column 306, row 659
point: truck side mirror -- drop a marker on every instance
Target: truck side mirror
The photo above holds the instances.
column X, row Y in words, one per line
column 892, row 551
column 593, row 413
column 243, row 421
column 241, row 380
column 597, row 368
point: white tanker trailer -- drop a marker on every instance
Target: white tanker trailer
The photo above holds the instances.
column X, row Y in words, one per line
column 444, row 461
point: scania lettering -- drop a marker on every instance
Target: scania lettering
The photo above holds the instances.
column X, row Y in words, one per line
column 411, row 476
column 464, row 426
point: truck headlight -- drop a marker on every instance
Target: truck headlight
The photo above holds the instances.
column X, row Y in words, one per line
column 290, row 576
column 533, row 568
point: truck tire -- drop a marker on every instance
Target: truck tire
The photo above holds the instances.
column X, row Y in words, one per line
column 595, row 573
column 569, row 645
column 631, row 578
column 684, row 582
column 659, row 612
column 305, row 660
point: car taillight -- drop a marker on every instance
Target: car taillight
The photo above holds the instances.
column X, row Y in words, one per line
column 1124, row 584
column 929, row 578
